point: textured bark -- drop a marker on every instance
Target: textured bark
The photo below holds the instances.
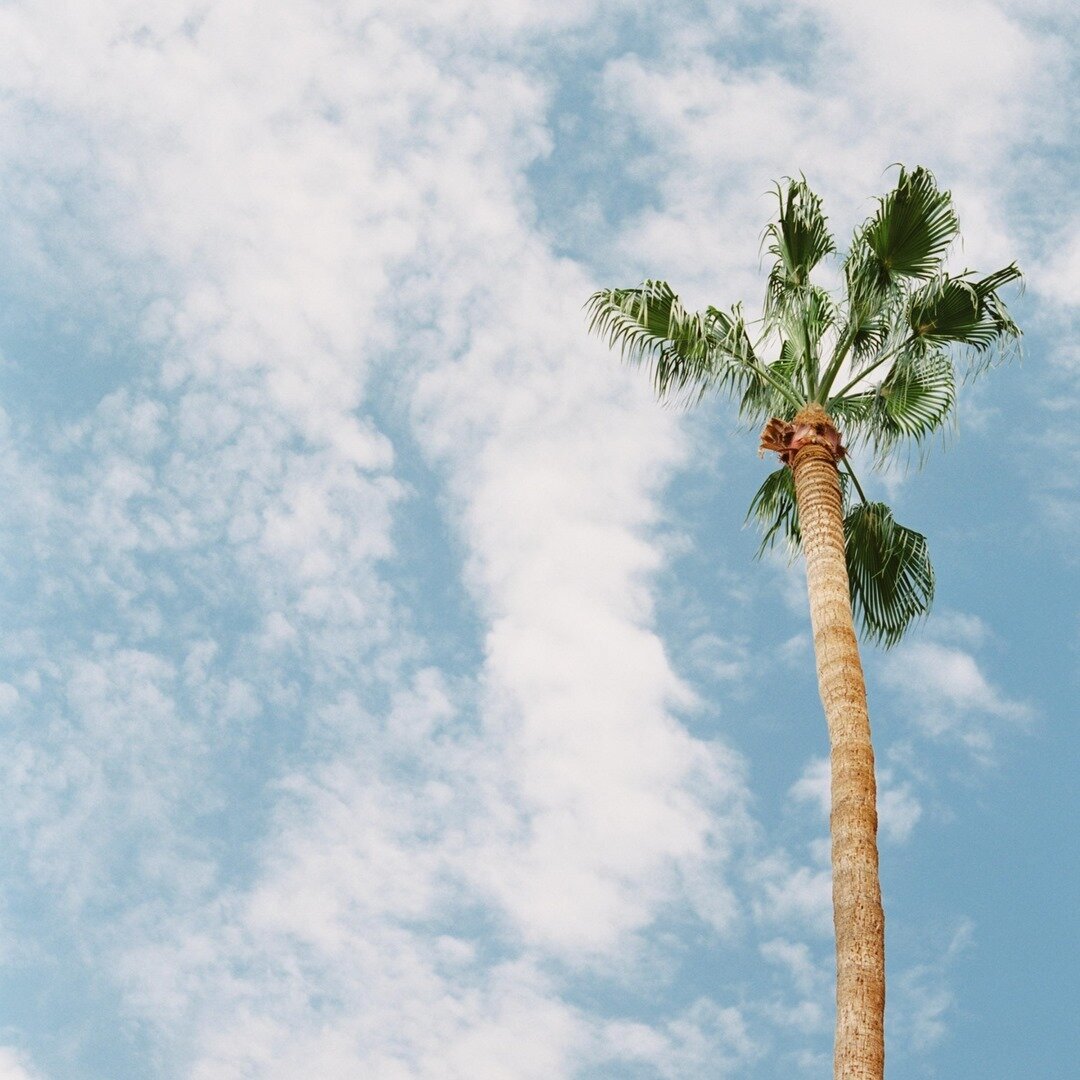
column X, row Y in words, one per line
column 857, row 912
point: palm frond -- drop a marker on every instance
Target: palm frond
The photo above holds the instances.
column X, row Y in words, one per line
column 649, row 325
column 802, row 320
column 776, row 513
column 761, row 400
column 688, row 353
column 917, row 397
column 914, row 225
column 914, row 401
column 992, row 282
column 810, row 312
column 872, row 302
column 889, row 572
column 852, row 411
column 869, row 336
column 800, row 237
column 957, row 310
column 774, row 510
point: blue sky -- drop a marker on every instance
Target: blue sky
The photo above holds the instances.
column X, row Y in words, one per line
column 387, row 687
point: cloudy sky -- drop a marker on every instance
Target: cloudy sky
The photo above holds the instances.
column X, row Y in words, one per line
column 387, row 688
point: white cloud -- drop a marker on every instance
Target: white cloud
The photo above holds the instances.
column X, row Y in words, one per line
column 813, row 785
column 954, row 88
column 899, row 809
column 925, row 997
column 949, row 695
column 964, row 75
column 577, row 684
column 13, row 1065
column 1057, row 276
column 705, row 1041
column 806, row 975
column 719, row 659
column 792, row 896
column 270, row 177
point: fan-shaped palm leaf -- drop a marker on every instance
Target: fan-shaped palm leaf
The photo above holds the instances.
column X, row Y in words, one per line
column 688, row 353
column 957, row 310
column 914, row 225
column 889, row 571
column 775, row 511
column 912, row 402
column 799, row 238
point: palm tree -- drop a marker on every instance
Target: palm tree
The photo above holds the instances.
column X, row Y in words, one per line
column 879, row 359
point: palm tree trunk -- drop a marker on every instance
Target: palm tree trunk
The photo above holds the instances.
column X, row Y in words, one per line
column 857, row 912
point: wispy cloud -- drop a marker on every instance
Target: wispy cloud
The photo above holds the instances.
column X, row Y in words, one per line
column 950, row 697
column 422, row 856
column 926, row 996
column 13, row 1065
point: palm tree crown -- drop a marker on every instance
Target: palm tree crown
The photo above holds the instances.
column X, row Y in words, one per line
column 881, row 358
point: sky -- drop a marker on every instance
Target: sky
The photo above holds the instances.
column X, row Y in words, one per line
column 387, row 685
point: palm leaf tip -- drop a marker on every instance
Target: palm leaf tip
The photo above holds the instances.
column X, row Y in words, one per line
column 889, row 572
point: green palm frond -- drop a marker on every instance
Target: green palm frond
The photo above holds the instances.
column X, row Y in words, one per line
column 947, row 310
column 761, row 400
column 950, row 310
column 867, row 281
column 889, row 572
column 914, row 225
column 853, row 411
column 960, row 311
column 868, row 338
column 776, row 513
column 914, row 401
column 649, row 325
column 805, row 316
column 989, row 285
column 867, row 316
column 689, row 353
column 917, row 396
column 730, row 335
column 800, row 237
column 774, row 510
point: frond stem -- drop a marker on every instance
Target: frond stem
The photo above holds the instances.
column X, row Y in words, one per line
column 842, row 347
column 783, row 390
column 855, row 480
column 811, row 365
column 876, row 364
